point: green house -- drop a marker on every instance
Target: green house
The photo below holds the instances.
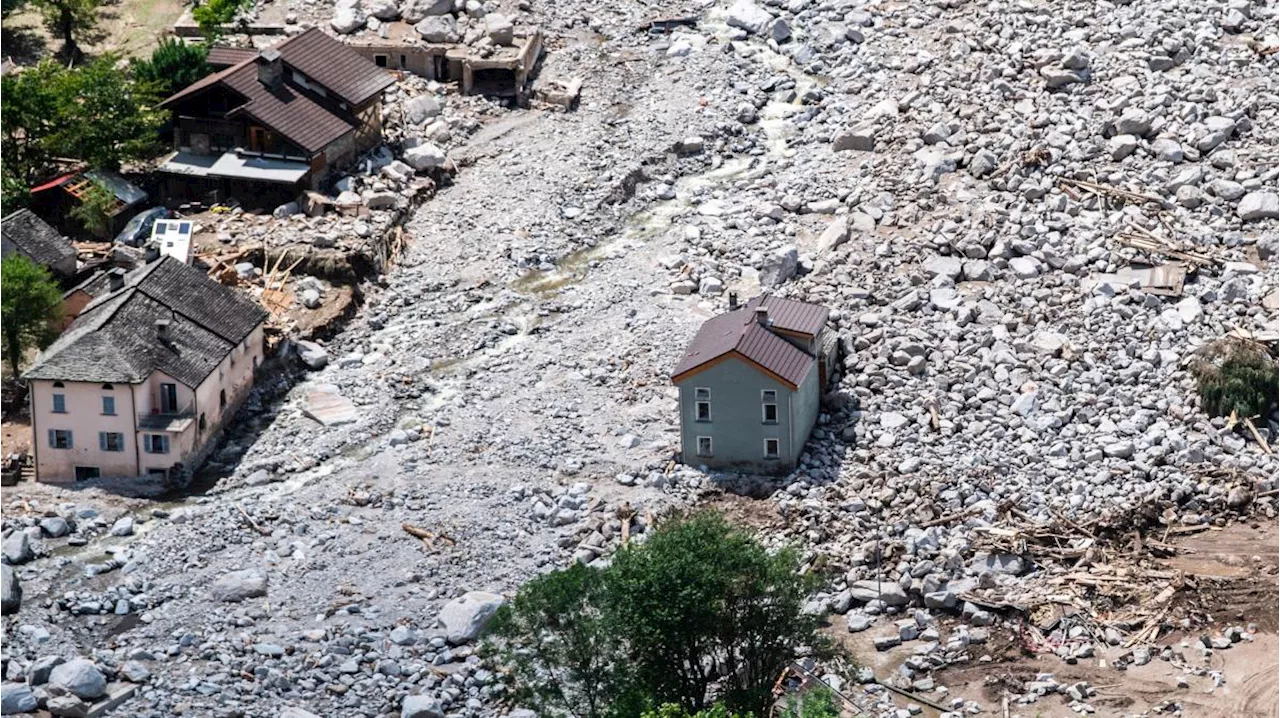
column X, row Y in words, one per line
column 750, row 385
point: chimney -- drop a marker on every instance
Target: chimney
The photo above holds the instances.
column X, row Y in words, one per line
column 151, row 252
column 762, row 316
column 115, row 279
column 733, row 301
column 162, row 330
column 270, row 69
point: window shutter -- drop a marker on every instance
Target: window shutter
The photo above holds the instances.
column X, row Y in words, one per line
column 146, row 443
column 53, row 443
column 70, row 445
column 102, row 440
column 165, row 443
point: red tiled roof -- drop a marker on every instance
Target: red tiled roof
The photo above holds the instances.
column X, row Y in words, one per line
column 739, row 332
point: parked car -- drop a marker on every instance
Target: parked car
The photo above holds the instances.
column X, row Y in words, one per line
column 138, row 230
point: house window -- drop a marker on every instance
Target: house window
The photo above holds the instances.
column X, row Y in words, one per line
column 110, row 441
column 768, row 406
column 155, row 443
column 702, row 405
column 84, row 473
column 404, row 61
column 59, row 403
column 109, row 406
column 157, row 472
column 380, row 60
column 60, row 439
column 704, row 446
column 168, row 398
column 202, row 422
column 108, row 387
column 770, row 448
column 222, row 399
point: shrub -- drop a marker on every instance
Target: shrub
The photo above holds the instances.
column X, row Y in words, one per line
column 701, row 603
column 173, row 65
column 94, row 210
column 818, row 702
column 671, row 710
column 1235, row 375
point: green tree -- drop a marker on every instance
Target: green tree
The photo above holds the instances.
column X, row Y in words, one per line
column 818, row 702
column 212, row 15
column 29, row 306
column 700, row 603
column 558, row 642
column 70, row 20
column 15, row 192
column 173, row 65
column 701, row 600
column 94, row 210
column 104, row 116
column 1236, row 376
column 28, row 115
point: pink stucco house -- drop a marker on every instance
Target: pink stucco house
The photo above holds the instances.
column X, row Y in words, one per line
column 145, row 378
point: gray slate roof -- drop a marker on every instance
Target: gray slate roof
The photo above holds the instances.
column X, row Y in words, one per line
column 114, row 338
column 42, row 243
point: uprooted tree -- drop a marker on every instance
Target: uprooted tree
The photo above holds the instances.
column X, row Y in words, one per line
column 1236, row 376
column 700, row 604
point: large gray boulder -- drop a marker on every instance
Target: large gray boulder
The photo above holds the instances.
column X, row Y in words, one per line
column 16, row 698
column 465, row 617
column 500, row 29
column 424, row 156
column 313, row 355
column 10, row 590
column 17, row 548
column 421, row 108
column 888, row 591
column 239, row 585
column 291, row 712
column 383, row 9
column 55, row 526
column 747, row 15
column 414, row 11
column 80, row 678
column 438, row 28
column 347, row 20
column 779, row 266
column 421, row 707
column 1259, row 205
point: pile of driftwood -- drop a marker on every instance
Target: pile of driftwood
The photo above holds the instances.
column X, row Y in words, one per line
column 1097, row 582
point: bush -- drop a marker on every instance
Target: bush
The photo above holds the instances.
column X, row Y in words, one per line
column 671, row 710
column 172, row 66
column 1235, row 375
column 700, row 603
column 94, row 210
column 819, row 702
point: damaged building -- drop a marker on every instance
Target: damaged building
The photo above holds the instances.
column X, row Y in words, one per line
column 271, row 124
column 494, row 58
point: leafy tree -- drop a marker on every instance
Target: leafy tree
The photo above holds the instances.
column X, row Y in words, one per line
column 29, row 306
column 701, row 600
column 28, row 115
column 105, row 117
column 212, row 15
column 15, row 193
column 173, row 65
column 559, row 644
column 699, row 603
column 71, row 20
column 94, row 210
column 817, row 703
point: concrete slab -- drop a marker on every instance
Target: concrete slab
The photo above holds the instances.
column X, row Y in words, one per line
column 327, row 405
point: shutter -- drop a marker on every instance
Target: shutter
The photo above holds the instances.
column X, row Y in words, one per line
column 146, row 443
column 165, row 443
column 70, row 445
column 102, row 440
column 53, row 444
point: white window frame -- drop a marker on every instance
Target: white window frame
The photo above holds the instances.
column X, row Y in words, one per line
column 768, row 398
column 702, row 397
column 711, row 447
column 775, row 454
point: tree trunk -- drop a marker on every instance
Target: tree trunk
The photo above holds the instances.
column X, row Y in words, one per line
column 13, row 347
column 67, row 25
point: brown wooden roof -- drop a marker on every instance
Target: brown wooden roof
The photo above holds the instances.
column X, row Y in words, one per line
column 334, row 66
column 738, row 333
column 223, row 57
column 288, row 110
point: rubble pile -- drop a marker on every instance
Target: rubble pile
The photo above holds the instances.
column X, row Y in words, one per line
column 1026, row 220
